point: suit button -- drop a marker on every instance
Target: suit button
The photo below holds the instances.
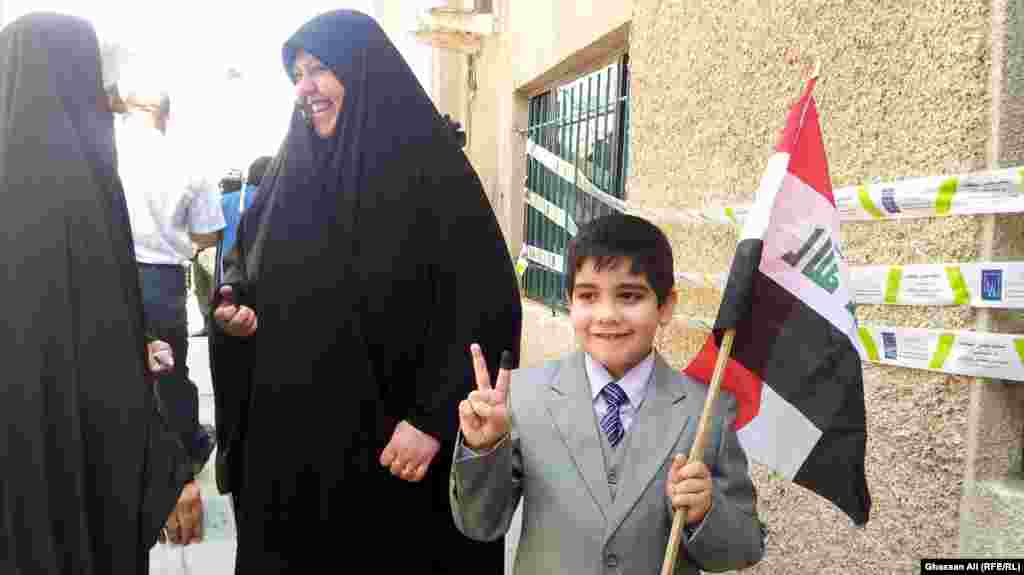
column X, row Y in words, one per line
column 612, row 560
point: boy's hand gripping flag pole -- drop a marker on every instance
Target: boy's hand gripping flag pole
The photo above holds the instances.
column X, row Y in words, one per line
column 697, row 451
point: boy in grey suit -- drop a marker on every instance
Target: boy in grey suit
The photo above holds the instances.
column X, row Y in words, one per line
column 593, row 443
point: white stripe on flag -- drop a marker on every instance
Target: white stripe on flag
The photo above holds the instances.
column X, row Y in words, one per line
column 772, row 181
column 799, row 212
column 780, row 436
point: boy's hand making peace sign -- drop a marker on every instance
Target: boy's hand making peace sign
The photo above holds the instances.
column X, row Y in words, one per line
column 483, row 416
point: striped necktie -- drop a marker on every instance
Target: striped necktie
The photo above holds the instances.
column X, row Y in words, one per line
column 611, row 423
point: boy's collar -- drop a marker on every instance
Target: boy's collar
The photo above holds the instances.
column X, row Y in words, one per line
column 633, row 382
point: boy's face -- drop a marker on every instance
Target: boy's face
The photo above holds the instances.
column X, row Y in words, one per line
column 616, row 315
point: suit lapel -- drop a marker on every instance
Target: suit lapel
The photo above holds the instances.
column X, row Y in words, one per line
column 570, row 404
column 656, row 429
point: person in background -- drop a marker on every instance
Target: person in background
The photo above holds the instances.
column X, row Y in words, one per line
column 368, row 262
column 88, row 470
column 171, row 211
column 234, row 203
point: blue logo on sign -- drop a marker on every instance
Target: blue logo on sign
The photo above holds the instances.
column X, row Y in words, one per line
column 992, row 285
column 889, row 344
column 889, row 200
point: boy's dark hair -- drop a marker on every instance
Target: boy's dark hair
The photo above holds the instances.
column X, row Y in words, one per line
column 610, row 238
column 256, row 170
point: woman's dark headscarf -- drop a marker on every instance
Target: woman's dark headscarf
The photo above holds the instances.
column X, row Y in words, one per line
column 88, row 475
column 372, row 259
column 385, row 111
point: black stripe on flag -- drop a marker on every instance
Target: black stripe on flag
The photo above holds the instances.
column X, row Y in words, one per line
column 810, row 364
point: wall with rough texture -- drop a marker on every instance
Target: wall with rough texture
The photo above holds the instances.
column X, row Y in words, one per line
column 904, row 91
column 993, row 498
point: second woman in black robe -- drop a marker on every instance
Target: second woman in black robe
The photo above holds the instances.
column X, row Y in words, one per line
column 88, row 472
column 372, row 260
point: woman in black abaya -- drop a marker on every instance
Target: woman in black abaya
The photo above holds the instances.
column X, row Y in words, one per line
column 88, row 474
column 368, row 264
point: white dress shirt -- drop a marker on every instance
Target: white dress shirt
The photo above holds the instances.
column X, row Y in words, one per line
column 634, row 382
column 165, row 203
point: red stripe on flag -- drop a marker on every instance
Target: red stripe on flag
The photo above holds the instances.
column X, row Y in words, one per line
column 801, row 139
column 741, row 382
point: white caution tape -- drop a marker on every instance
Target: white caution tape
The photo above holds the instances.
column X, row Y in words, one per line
column 691, row 322
column 577, row 177
column 977, row 284
column 667, row 214
column 971, row 353
column 709, row 281
column 571, row 174
column 549, row 260
column 959, row 352
column 557, row 215
column 990, row 192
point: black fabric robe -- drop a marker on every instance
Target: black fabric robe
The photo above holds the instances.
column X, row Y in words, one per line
column 373, row 260
column 88, row 473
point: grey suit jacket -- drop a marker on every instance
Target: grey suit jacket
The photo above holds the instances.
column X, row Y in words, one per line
column 552, row 459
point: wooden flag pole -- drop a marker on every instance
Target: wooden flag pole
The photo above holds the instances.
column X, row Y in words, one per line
column 697, row 451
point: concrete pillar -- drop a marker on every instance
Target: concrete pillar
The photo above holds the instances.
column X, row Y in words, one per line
column 992, row 504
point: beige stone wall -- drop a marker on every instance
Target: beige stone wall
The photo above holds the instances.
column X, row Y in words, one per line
column 905, row 91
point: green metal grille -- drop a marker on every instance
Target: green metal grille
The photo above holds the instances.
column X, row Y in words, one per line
column 578, row 150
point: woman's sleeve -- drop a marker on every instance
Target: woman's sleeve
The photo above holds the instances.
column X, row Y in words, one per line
column 230, row 372
column 474, row 298
column 233, row 275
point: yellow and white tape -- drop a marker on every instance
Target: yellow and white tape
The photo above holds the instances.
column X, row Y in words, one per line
column 971, row 353
column 958, row 352
column 977, row 284
column 989, row 192
column 550, row 260
column 557, row 215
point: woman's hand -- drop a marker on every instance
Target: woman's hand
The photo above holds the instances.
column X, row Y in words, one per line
column 236, row 320
column 160, row 356
column 184, row 525
column 409, row 452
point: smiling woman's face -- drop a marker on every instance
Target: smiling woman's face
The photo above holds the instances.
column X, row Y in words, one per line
column 320, row 91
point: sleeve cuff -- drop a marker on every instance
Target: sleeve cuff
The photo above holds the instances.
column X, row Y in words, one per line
column 692, row 531
column 437, row 425
column 463, row 451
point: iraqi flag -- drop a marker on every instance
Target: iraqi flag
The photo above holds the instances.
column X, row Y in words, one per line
column 795, row 366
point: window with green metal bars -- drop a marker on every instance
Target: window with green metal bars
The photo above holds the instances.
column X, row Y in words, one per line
column 577, row 164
